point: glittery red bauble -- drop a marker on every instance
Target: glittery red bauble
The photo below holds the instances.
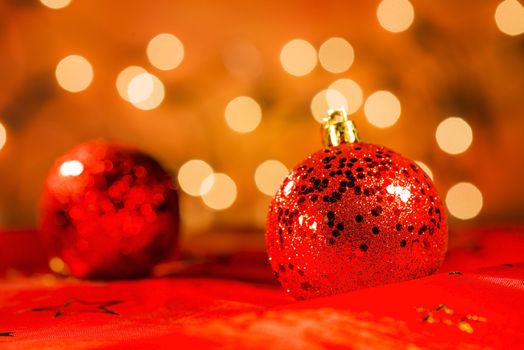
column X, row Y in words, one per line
column 354, row 216
column 109, row 211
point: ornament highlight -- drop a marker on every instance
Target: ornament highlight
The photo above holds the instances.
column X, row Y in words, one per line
column 353, row 215
column 109, row 211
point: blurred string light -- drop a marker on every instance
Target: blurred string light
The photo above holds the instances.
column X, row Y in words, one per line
column 219, row 191
column 55, row 4
column 243, row 60
column 325, row 100
column 454, row 135
column 165, row 51
column 352, row 93
column 464, row 200
column 269, row 176
column 3, row 136
column 191, row 175
column 509, row 17
column 243, row 114
column 74, row 73
column 145, row 91
column 298, row 57
column 426, row 169
column 382, row 109
column 395, row 15
column 336, row 55
column 124, row 78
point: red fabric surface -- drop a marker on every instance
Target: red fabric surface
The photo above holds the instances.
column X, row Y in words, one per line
column 480, row 308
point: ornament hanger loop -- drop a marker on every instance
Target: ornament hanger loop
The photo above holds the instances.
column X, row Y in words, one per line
column 337, row 128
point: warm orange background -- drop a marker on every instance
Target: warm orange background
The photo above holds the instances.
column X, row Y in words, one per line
column 453, row 60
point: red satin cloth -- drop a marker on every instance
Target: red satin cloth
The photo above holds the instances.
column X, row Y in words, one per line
column 476, row 302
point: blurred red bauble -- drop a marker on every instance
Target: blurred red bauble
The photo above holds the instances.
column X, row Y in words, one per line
column 354, row 215
column 109, row 211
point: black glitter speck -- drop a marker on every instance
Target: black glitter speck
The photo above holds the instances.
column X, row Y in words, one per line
column 376, row 211
column 359, row 218
column 403, row 243
column 363, row 247
column 305, row 285
column 375, row 230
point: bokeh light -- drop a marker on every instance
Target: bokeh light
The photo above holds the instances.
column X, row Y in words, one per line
column 454, row 135
column 3, row 136
column 382, row 109
column 336, row 55
column 298, row 57
column 426, row 169
column 71, row 168
column 395, row 15
column 74, row 73
column 145, row 91
column 243, row 114
column 509, row 17
column 191, row 175
column 165, row 51
column 140, row 88
column 55, row 4
column 351, row 91
column 464, row 201
column 220, row 191
column 269, row 176
column 326, row 100
column 124, row 78
column 57, row 265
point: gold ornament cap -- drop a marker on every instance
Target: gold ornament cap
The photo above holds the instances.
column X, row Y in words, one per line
column 337, row 128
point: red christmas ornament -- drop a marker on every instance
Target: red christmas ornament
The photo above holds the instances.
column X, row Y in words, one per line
column 109, row 211
column 353, row 215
